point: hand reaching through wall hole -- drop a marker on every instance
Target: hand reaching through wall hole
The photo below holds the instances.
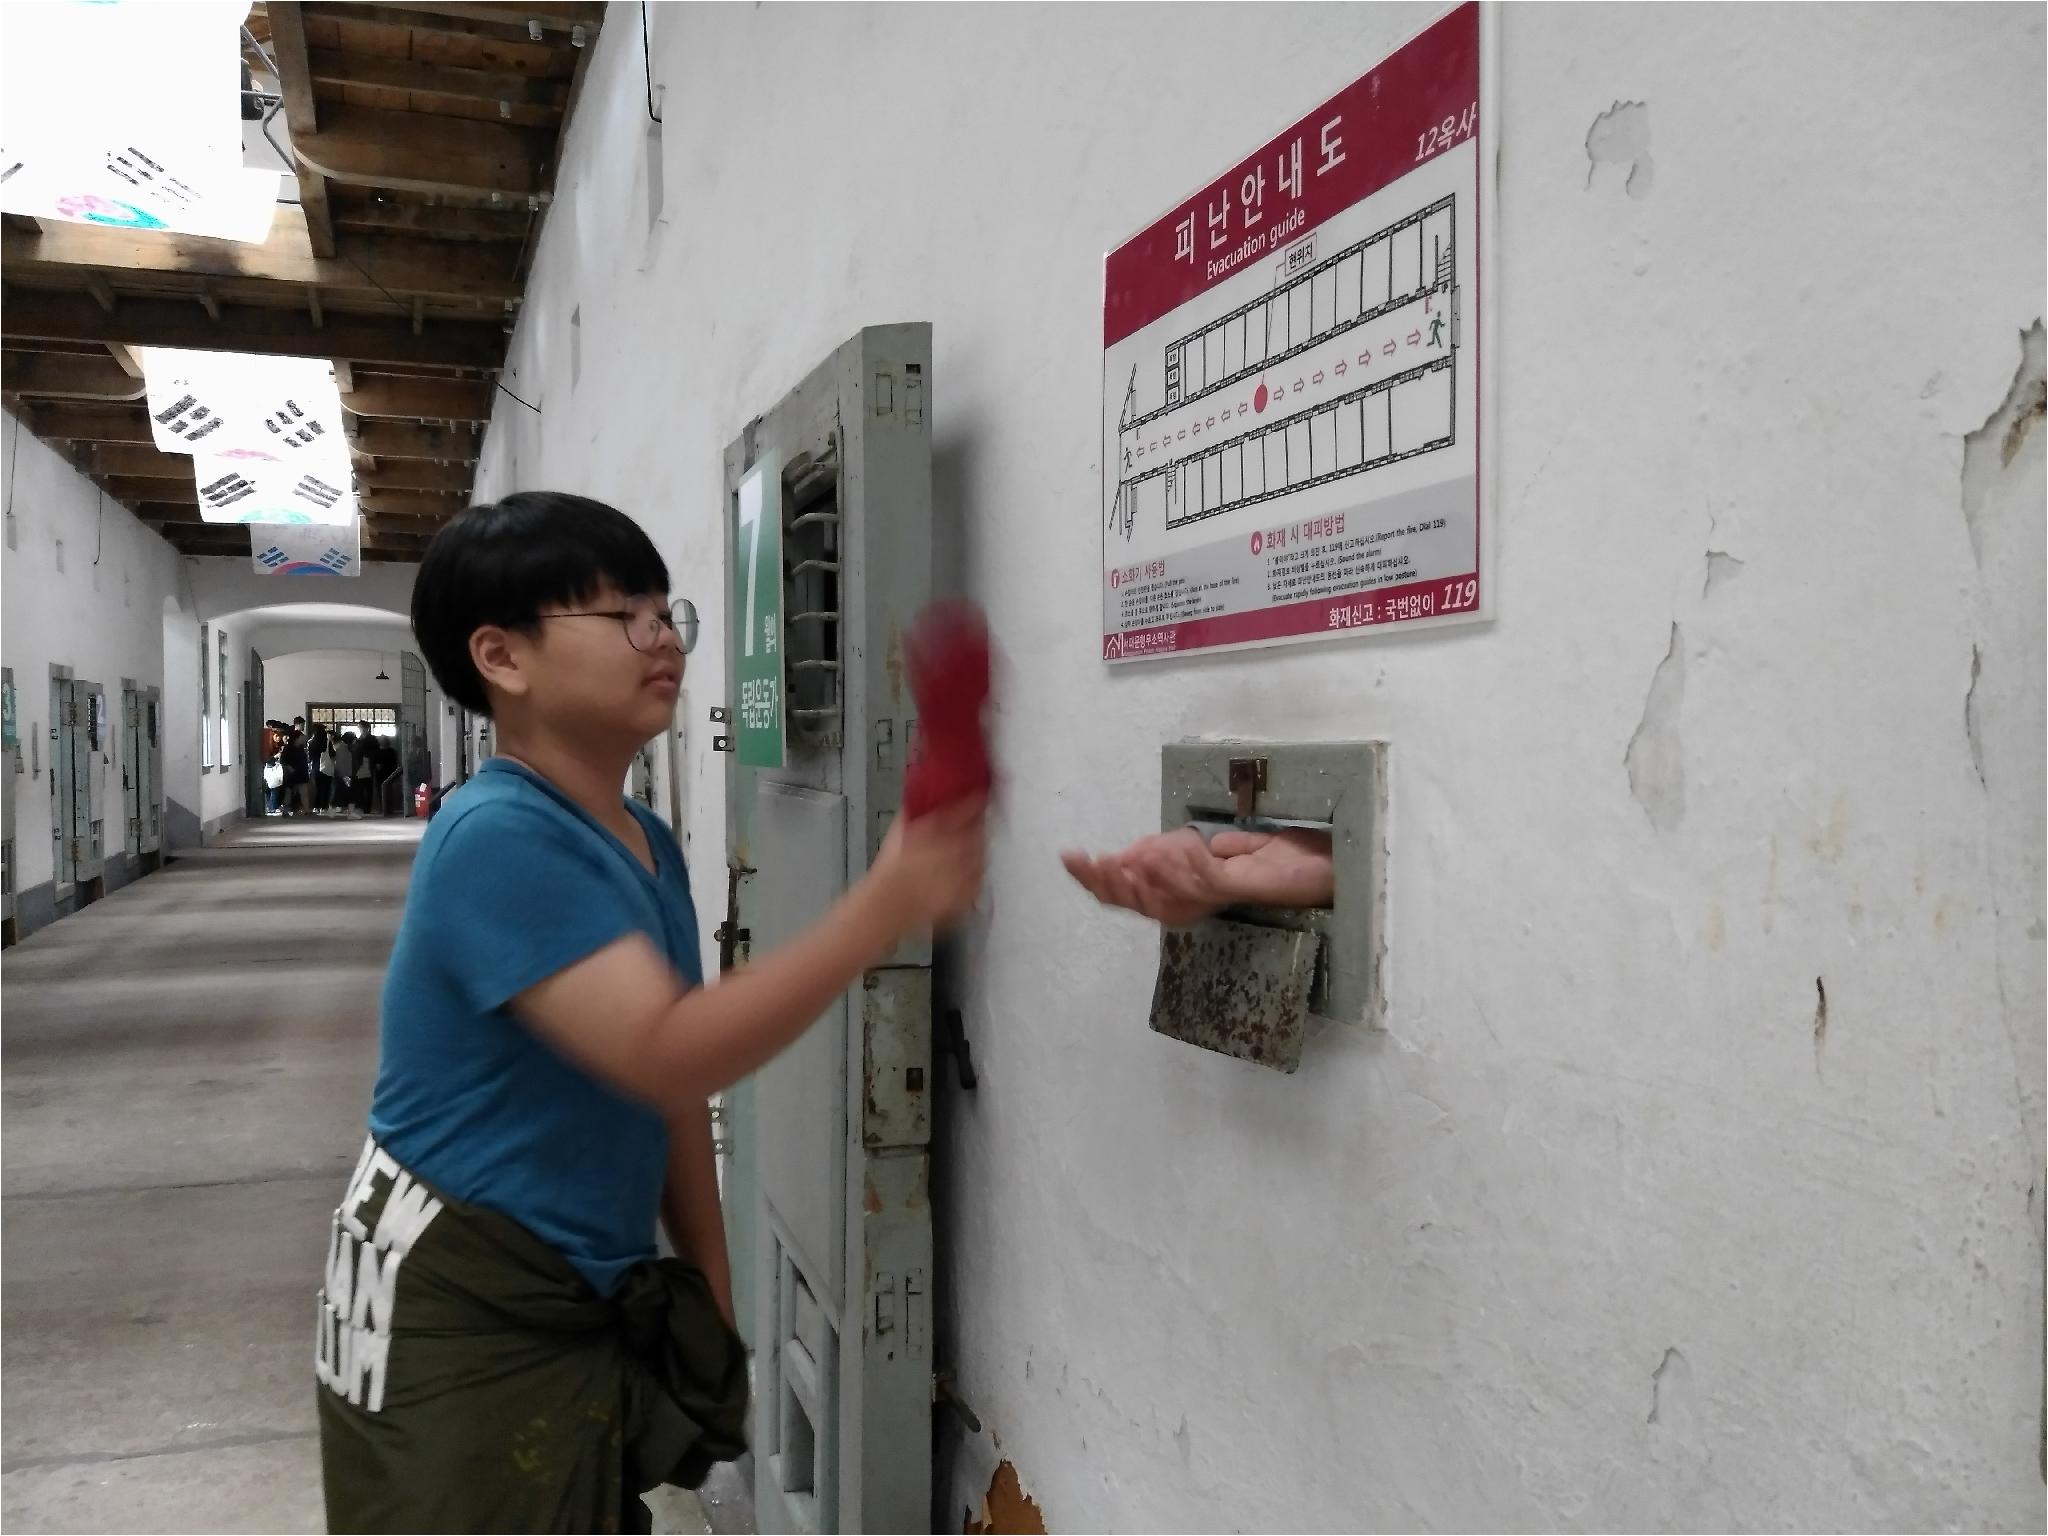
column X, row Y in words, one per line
column 1177, row 878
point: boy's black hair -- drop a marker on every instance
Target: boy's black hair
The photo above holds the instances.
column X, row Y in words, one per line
column 503, row 562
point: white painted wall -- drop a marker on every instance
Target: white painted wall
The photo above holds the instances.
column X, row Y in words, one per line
column 96, row 606
column 231, row 586
column 180, row 724
column 1602, row 1231
column 223, row 788
column 291, row 682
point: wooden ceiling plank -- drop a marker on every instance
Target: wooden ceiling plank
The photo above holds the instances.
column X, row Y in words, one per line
column 358, row 146
column 363, row 265
column 74, row 424
column 355, row 210
column 67, row 376
column 248, row 328
column 136, row 461
column 399, row 440
column 557, row 16
column 417, row 475
column 295, row 84
column 412, row 505
column 330, row 67
column 421, row 399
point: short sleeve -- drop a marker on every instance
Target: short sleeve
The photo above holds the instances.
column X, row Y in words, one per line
column 515, row 895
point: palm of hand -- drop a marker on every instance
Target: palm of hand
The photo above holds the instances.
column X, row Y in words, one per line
column 1176, row 879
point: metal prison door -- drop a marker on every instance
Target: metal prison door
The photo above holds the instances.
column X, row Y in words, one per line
column 828, row 539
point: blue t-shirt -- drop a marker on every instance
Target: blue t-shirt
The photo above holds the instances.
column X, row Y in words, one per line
column 514, row 883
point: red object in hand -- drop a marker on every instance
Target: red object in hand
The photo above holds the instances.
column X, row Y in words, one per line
column 947, row 653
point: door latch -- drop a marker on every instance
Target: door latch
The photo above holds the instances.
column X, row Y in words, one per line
column 952, row 1042
column 1247, row 783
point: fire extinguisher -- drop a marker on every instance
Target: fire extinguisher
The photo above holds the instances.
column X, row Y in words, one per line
column 420, row 796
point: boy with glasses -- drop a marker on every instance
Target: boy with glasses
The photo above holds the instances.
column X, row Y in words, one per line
column 499, row 1347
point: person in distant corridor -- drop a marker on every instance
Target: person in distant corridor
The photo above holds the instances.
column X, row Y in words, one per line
column 273, row 783
column 297, row 777
column 499, row 1347
column 365, row 770
column 384, row 760
column 344, row 773
column 320, row 757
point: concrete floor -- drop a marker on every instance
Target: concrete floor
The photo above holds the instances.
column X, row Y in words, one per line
column 184, row 1071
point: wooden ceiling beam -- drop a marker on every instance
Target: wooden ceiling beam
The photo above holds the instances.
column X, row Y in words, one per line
column 302, row 117
column 507, row 23
column 410, row 504
column 358, row 210
column 361, row 146
column 67, row 376
column 371, row 266
column 406, row 440
column 416, row 475
column 135, row 461
column 70, row 424
column 131, row 490
column 175, row 514
column 421, row 399
column 49, row 316
column 330, row 67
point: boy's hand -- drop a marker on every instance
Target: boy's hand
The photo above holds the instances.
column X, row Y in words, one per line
column 931, row 866
column 1176, row 879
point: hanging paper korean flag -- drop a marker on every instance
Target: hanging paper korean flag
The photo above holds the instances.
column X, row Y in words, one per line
column 250, row 490
column 145, row 133
column 296, row 551
column 237, row 404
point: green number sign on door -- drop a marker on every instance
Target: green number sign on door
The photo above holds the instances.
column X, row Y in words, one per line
column 757, row 616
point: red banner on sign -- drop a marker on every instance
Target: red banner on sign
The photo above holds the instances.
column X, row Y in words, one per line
column 1422, row 101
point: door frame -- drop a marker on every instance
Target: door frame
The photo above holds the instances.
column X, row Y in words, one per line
column 63, row 869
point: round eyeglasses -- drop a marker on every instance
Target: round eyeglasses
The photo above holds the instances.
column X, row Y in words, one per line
column 645, row 626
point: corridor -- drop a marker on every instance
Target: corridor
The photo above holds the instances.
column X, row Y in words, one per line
column 187, row 1065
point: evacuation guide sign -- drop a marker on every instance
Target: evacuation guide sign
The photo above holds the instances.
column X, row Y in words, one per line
column 1292, row 390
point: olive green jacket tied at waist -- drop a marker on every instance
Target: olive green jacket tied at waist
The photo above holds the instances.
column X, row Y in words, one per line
column 472, row 1380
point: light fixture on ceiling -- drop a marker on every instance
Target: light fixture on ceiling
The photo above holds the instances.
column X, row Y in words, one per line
column 382, row 675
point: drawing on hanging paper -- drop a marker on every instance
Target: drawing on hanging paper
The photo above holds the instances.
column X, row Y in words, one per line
column 1348, row 364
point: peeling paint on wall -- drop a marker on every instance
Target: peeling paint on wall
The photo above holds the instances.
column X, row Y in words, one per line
column 1621, row 136
column 1007, row 1508
column 1722, row 568
column 1992, row 447
column 1655, row 759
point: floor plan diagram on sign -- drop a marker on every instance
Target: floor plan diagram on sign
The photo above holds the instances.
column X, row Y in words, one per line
column 1345, row 364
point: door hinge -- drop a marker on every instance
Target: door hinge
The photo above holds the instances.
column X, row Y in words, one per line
column 720, row 715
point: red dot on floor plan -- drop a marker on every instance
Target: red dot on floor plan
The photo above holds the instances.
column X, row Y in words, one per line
column 1259, row 400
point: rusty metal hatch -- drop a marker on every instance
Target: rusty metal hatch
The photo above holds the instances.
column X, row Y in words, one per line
column 1245, row 983
column 1237, row 988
